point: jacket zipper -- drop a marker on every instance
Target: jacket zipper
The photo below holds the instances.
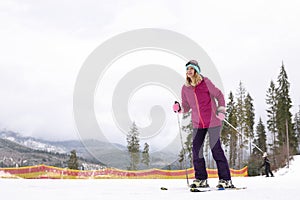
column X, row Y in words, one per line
column 197, row 104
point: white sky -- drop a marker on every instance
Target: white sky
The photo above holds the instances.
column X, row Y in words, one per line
column 44, row 44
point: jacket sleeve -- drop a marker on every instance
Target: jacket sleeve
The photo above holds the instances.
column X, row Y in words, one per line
column 184, row 103
column 215, row 92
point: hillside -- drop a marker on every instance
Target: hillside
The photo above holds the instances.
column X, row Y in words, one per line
column 13, row 154
column 110, row 154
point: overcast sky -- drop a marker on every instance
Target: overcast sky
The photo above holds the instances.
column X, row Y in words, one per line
column 44, row 44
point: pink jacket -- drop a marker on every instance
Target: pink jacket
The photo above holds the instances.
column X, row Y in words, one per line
column 201, row 99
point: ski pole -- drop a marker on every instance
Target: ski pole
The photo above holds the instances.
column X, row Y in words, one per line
column 231, row 126
column 257, row 147
column 184, row 158
column 240, row 134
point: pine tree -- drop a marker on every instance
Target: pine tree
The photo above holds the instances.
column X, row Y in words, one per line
column 241, row 120
column 181, row 158
column 271, row 101
column 73, row 160
column 145, row 155
column 249, row 123
column 261, row 140
column 297, row 126
column 188, row 142
column 226, row 129
column 133, row 147
column 229, row 135
column 283, row 113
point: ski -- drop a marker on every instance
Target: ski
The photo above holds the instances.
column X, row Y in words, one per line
column 215, row 189
column 201, row 189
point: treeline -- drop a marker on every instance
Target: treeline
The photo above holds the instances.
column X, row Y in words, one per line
column 279, row 137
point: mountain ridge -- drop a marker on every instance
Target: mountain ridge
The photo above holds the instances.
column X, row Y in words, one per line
column 94, row 151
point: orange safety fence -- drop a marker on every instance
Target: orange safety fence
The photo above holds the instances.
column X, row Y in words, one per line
column 49, row 172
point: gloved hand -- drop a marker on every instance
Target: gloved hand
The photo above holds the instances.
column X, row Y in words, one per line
column 221, row 111
column 176, row 107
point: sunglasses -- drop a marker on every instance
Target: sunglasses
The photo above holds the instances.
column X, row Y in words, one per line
column 192, row 63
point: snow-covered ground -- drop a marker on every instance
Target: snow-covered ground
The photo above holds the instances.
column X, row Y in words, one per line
column 282, row 186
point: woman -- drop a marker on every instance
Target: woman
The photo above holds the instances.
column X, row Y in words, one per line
column 200, row 95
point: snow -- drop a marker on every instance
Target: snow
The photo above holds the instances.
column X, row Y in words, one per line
column 6, row 175
column 33, row 144
column 282, row 186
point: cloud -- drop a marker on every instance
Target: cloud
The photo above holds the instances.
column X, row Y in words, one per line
column 43, row 45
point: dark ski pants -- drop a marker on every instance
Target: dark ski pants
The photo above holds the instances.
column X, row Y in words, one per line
column 216, row 149
column 268, row 170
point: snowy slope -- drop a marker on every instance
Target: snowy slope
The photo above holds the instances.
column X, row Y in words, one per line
column 282, row 186
column 31, row 142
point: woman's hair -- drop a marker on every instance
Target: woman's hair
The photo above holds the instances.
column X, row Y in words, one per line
column 198, row 78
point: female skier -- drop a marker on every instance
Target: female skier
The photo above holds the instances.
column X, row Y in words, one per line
column 199, row 95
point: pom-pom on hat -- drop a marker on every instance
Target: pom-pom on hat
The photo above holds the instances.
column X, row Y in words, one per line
column 193, row 64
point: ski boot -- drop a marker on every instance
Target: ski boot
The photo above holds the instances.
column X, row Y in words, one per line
column 225, row 184
column 199, row 184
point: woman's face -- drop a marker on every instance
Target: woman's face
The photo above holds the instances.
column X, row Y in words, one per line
column 190, row 72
